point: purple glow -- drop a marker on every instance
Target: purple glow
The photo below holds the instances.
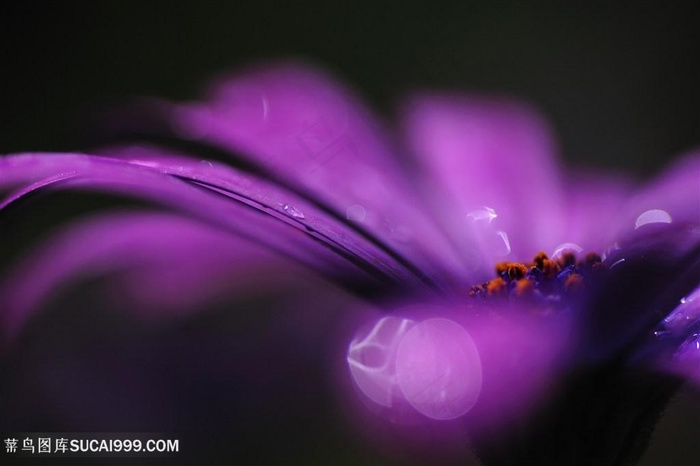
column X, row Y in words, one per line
column 429, row 363
column 438, row 369
column 433, row 365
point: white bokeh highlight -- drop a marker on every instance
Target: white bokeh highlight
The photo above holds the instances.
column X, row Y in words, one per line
column 432, row 365
column 372, row 359
column 438, row 369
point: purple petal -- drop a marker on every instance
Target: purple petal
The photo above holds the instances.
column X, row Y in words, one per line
column 433, row 362
column 592, row 199
column 168, row 264
column 673, row 198
column 237, row 204
column 494, row 158
column 686, row 361
column 675, row 348
column 314, row 217
column 312, row 135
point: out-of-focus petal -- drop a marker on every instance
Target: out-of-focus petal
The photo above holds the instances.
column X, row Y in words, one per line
column 304, row 131
column 495, row 159
column 592, row 200
column 430, row 363
column 167, row 264
column 240, row 205
column 673, row 198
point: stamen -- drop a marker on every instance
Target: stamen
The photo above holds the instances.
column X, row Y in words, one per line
column 546, row 278
column 573, row 283
column 511, row 270
column 496, row 287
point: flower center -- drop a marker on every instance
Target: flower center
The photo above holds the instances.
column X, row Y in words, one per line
column 544, row 278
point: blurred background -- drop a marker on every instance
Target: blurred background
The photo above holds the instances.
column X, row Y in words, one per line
column 619, row 85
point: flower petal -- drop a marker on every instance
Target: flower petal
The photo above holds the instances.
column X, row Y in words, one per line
column 674, row 347
column 649, row 273
column 591, row 200
column 240, row 205
column 495, row 159
column 436, row 361
column 683, row 325
column 304, row 131
column 223, row 177
column 167, row 264
column 673, row 197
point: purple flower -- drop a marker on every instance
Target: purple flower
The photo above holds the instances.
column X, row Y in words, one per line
column 410, row 258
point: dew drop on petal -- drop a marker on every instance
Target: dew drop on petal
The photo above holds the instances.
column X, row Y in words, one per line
column 265, row 105
column 686, row 313
column 356, row 213
column 483, row 214
column 372, row 359
column 617, row 262
column 501, row 244
column 485, row 231
column 562, row 249
column 690, row 350
column 293, row 211
column 244, row 98
column 400, row 233
column 652, row 216
column 438, row 369
column 687, row 357
column 145, row 163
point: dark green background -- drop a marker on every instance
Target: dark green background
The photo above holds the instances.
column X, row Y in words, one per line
column 619, row 83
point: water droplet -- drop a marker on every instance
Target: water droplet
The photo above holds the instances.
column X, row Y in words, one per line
column 356, row 213
column 692, row 297
column 486, row 214
column 400, row 233
column 501, row 244
column 652, row 216
column 689, row 349
column 265, row 105
column 293, row 211
column 562, row 249
column 616, row 263
column 685, row 314
column 145, row 163
column 206, row 163
column 482, row 228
